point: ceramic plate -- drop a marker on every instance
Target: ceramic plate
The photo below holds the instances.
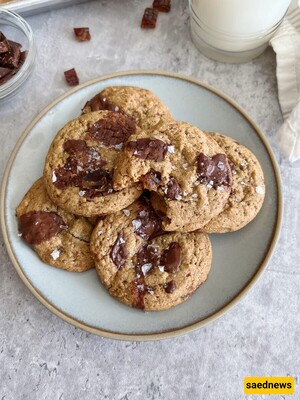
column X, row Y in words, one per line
column 238, row 258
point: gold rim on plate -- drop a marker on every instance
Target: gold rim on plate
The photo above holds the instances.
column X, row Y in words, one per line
column 171, row 332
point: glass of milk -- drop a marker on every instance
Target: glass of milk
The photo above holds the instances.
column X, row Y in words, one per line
column 235, row 30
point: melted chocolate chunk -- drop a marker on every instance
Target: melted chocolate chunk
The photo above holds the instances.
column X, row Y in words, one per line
column 147, row 258
column 82, row 161
column 148, row 149
column 162, row 5
column 147, row 223
column 97, row 183
column 118, row 252
column 173, row 189
column 151, row 181
column 71, row 77
column 99, row 102
column 74, row 146
column 170, row 287
column 148, row 255
column 82, row 34
column 213, row 171
column 113, row 130
column 171, row 258
column 149, row 19
column 139, row 291
column 39, row 226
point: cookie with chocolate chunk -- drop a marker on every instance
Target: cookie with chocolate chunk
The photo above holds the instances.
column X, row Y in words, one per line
column 248, row 188
column 186, row 171
column 143, row 106
column 59, row 238
column 145, row 267
column 79, row 165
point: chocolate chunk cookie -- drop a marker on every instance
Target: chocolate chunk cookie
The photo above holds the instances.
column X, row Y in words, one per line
column 59, row 238
column 248, row 188
column 143, row 106
column 185, row 170
column 145, row 267
column 79, row 165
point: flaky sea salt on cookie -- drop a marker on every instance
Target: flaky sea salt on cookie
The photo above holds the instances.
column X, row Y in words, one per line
column 143, row 106
column 248, row 188
column 59, row 238
column 80, row 162
column 145, row 267
column 185, row 170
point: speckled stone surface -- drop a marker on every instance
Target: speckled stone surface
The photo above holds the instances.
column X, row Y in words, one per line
column 41, row 356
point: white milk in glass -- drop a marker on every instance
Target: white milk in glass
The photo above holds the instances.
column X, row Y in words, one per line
column 235, row 26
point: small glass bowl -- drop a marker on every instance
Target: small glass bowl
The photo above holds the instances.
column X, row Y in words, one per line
column 17, row 29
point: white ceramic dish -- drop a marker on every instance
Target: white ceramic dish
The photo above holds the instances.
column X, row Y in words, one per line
column 238, row 258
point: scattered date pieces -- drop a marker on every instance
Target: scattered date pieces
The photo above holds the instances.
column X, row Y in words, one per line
column 149, row 19
column 162, row 5
column 82, row 34
column 11, row 58
column 71, row 77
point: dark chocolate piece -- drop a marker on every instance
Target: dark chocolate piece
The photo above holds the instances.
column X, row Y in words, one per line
column 173, row 190
column 3, row 43
column 112, row 131
column 10, row 58
column 151, row 181
column 39, row 226
column 147, row 223
column 71, row 77
column 147, row 258
column 170, row 287
column 171, row 258
column 82, row 34
column 118, row 252
column 148, row 149
column 4, row 71
column 149, row 19
column 99, row 102
column 79, row 164
column 162, row 5
column 214, row 171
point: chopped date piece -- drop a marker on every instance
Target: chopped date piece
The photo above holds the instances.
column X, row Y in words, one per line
column 162, row 5
column 71, row 77
column 149, row 19
column 82, row 34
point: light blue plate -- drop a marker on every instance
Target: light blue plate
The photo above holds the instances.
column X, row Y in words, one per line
column 238, row 258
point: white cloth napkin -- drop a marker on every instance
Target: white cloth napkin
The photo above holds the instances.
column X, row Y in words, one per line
column 286, row 44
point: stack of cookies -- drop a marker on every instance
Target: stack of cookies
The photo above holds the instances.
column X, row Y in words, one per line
column 131, row 191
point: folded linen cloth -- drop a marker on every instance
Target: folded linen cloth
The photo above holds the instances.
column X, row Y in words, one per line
column 286, row 44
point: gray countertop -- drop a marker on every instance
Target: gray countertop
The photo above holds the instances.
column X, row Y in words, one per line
column 41, row 356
